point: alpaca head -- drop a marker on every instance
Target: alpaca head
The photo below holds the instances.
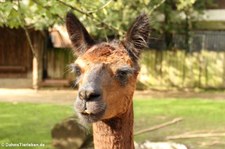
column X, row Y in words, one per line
column 106, row 72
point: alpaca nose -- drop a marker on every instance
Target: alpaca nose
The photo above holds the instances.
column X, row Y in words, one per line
column 88, row 94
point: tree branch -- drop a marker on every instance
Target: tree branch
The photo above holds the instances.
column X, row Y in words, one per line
column 176, row 120
column 21, row 17
column 156, row 6
column 90, row 15
column 200, row 135
column 46, row 7
column 72, row 7
column 29, row 41
column 102, row 7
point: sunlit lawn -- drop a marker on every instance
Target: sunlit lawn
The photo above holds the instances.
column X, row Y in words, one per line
column 32, row 123
column 200, row 116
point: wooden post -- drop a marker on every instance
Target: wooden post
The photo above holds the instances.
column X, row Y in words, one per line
column 200, row 69
column 38, row 45
column 223, row 69
column 35, row 73
column 206, row 71
column 184, row 68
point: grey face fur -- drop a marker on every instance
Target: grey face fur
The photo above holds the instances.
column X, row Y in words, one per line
column 89, row 104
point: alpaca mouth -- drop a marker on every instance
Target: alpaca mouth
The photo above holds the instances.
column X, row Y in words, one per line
column 90, row 117
column 90, row 111
column 86, row 112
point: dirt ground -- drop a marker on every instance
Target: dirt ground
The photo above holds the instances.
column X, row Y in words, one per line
column 67, row 96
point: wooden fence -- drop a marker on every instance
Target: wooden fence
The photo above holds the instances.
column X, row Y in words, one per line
column 58, row 61
column 205, row 69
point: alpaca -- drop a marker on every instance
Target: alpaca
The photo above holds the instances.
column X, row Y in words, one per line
column 106, row 75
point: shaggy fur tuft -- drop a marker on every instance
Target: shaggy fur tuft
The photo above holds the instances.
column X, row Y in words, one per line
column 137, row 36
column 79, row 36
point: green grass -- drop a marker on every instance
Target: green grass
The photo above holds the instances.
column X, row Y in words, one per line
column 199, row 116
column 32, row 123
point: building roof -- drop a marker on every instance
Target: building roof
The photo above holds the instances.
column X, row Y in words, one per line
column 59, row 37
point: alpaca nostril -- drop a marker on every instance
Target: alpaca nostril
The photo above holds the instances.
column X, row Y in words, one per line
column 88, row 95
column 94, row 95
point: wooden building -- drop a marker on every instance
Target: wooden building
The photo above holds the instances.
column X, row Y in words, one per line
column 21, row 68
column 18, row 66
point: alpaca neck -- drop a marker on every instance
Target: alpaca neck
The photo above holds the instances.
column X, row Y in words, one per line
column 115, row 133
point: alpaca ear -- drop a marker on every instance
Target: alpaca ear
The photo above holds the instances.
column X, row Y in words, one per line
column 137, row 36
column 79, row 36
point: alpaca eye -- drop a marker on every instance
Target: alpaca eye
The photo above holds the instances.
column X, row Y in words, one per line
column 122, row 74
column 122, row 77
column 77, row 71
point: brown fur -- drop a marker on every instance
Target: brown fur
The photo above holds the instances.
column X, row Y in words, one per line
column 112, row 90
column 107, row 80
column 115, row 133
